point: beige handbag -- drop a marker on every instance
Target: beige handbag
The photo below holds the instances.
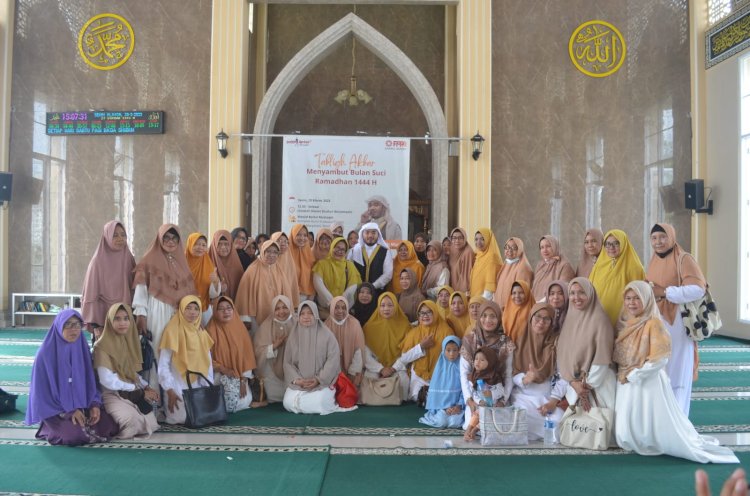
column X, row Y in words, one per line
column 589, row 430
column 380, row 392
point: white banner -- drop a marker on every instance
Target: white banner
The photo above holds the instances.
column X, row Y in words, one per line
column 352, row 180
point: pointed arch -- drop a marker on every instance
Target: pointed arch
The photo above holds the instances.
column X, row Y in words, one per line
column 296, row 70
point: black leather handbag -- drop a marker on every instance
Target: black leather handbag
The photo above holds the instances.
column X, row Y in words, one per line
column 203, row 405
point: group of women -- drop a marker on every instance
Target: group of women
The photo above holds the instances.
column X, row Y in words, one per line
column 452, row 322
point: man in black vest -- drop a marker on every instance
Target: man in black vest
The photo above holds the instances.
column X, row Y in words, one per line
column 372, row 258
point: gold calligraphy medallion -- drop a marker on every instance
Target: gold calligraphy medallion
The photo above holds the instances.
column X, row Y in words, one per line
column 597, row 48
column 106, row 41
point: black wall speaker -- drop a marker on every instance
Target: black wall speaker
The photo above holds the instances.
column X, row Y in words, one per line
column 694, row 194
column 6, row 183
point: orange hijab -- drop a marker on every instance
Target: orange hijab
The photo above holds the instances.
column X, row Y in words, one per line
column 232, row 347
column 517, row 269
column 515, row 317
column 201, row 268
column 318, row 252
column 304, row 259
column 411, row 262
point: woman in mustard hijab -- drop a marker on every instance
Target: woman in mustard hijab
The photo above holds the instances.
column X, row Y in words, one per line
column 184, row 346
column 486, row 264
column 614, row 269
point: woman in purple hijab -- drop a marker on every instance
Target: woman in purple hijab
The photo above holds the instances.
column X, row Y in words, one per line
column 63, row 397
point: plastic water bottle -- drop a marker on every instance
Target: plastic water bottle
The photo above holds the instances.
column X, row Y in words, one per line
column 550, row 437
column 485, row 390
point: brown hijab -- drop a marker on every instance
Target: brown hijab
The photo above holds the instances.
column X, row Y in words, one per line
column 260, row 284
column 493, row 374
column 517, row 269
column 318, row 252
column 109, row 277
column 304, row 259
column 495, row 339
column 119, row 353
column 410, row 299
column 665, row 271
column 534, row 350
column 270, row 330
column 460, row 263
column 435, row 268
column 587, row 337
column 232, row 347
column 348, row 334
column 166, row 275
column 229, row 268
column 556, row 268
column 586, row 262
column 286, row 264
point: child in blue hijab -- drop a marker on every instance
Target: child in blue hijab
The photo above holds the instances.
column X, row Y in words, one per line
column 445, row 402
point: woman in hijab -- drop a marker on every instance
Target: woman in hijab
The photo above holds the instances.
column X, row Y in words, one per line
column 337, row 228
column 552, row 267
column 227, row 262
column 406, row 258
column 233, row 356
column 117, row 360
column 304, row 259
column 184, row 346
column 420, row 247
column 474, row 303
column 458, row 317
column 436, row 273
column 63, row 397
column 445, row 403
column 240, row 242
column 584, row 348
column 352, row 238
column 486, row 265
column 487, row 333
column 365, row 303
column 269, row 343
column 460, row 261
column 557, row 297
column 593, row 243
column 443, row 300
column 109, row 277
column 534, row 369
column 335, row 275
column 418, row 350
column 676, row 278
column 517, row 308
column 261, row 283
column 287, row 266
column 515, row 268
column 611, row 273
column 312, row 362
column 162, row 279
column 205, row 276
column 350, row 338
column 322, row 246
column 648, row 419
column 411, row 295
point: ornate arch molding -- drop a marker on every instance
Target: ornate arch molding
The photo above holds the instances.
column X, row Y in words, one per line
column 301, row 64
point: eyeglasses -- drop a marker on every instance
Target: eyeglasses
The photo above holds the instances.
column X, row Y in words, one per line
column 240, row 238
column 457, row 238
column 612, row 244
column 510, row 248
column 170, row 238
column 76, row 324
column 425, row 313
column 272, row 253
column 539, row 318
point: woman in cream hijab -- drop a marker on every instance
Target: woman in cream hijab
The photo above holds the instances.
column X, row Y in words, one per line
column 350, row 337
column 312, row 363
column 269, row 344
column 184, row 346
column 648, row 419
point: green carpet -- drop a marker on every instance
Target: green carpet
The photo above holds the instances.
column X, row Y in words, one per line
column 719, row 357
column 710, row 378
column 63, row 470
column 712, row 412
column 15, row 373
column 723, row 341
column 453, row 475
column 21, row 350
column 22, row 333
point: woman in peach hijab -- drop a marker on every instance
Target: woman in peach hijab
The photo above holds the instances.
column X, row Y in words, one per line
column 287, row 265
column 593, row 242
column 227, row 261
column 350, row 337
column 322, row 245
column 436, row 273
column 406, row 258
column 676, row 278
column 460, row 261
column 487, row 264
column 517, row 308
column 304, row 259
column 205, row 276
column 552, row 267
column 261, row 283
column 515, row 268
